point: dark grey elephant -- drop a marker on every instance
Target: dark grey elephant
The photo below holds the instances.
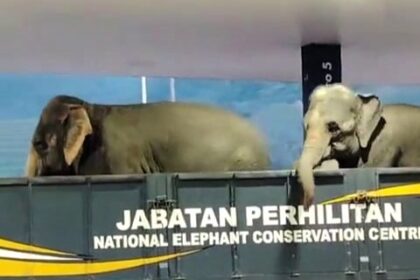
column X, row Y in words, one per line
column 75, row 137
column 355, row 131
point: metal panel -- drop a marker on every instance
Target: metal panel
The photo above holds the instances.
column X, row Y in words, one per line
column 257, row 259
column 202, row 193
column 362, row 180
column 401, row 257
column 15, row 211
column 336, row 258
column 65, row 213
column 108, row 201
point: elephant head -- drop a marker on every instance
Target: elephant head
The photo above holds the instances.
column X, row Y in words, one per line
column 338, row 124
column 58, row 138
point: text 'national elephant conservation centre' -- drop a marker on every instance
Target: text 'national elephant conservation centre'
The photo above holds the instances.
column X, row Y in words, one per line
column 326, row 224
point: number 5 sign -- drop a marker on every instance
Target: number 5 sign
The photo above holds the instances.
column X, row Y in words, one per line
column 321, row 64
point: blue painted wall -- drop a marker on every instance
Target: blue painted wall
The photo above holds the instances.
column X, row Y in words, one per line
column 275, row 107
column 23, row 97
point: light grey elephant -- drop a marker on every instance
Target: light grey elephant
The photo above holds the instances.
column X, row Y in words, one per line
column 74, row 137
column 355, row 131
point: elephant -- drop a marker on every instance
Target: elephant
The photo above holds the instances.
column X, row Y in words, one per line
column 75, row 137
column 355, row 130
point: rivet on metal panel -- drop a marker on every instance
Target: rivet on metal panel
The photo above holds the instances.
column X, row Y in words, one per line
column 349, row 267
column 381, row 275
column 236, row 276
column 380, row 266
column 349, row 272
column 349, row 251
column 380, row 272
column 295, row 274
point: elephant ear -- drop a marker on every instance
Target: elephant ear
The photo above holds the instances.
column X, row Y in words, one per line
column 369, row 117
column 32, row 163
column 79, row 128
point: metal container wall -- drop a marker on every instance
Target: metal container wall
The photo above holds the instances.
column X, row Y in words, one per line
column 65, row 213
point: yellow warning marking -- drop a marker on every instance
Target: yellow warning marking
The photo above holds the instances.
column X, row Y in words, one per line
column 19, row 268
column 7, row 244
column 395, row 191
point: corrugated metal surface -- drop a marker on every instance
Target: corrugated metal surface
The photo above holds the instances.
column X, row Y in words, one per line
column 65, row 213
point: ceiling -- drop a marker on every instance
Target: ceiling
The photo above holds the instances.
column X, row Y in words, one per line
column 235, row 39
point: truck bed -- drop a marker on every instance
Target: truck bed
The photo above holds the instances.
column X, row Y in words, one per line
column 235, row 225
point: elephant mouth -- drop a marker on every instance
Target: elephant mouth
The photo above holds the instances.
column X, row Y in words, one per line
column 338, row 146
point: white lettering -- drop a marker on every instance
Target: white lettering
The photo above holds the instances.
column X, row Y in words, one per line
column 140, row 220
column 306, row 214
column 98, row 242
column 374, row 214
column 177, row 219
column 158, row 218
column 287, row 215
column 228, row 217
column 393, row 213
column 126, row 223
column 252, row 213
column 209, row 218
column 270, row 215
column 193, row 212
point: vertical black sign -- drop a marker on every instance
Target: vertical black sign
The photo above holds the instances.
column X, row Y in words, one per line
column 321, row 64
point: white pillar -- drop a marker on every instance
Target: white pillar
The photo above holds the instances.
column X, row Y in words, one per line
column 143, row 90
column 172, row 89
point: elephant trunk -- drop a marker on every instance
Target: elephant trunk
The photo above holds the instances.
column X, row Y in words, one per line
column 314, row 148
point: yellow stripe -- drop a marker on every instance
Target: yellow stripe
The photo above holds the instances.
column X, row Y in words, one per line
column 18, row 268
column 344, row 198
column 402, row 190
column 29, row 248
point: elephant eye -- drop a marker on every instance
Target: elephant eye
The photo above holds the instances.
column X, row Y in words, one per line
column 40, row 145
column 333, row 127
